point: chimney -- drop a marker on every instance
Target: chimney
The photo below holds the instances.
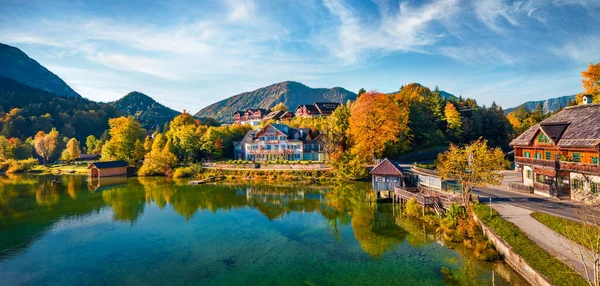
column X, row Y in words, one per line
column 587, row 99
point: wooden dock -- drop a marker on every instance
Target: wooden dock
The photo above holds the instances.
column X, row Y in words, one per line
column 438, row 204
column 204, row 181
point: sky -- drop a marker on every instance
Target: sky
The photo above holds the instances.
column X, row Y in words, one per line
column 189, row 54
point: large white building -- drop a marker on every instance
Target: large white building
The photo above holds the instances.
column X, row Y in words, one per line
column 280, row 142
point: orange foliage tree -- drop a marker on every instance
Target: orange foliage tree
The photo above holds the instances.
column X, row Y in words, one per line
column 376, row 120
column 591, row 79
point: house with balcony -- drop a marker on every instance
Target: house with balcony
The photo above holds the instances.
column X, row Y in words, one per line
column 316, row 109
column 559, row 156
column 252, row 116
column 280, row 142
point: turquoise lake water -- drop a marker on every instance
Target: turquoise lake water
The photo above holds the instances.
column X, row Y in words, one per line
column 155, row 231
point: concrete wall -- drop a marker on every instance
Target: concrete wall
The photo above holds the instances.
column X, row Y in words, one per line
column 430, row 181
column 586, row 194
column 514, row 260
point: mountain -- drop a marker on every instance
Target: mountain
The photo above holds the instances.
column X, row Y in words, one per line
column 291, row 93
column 16, row 65
column 144, row 109
column 549, row 105
column 27, row 110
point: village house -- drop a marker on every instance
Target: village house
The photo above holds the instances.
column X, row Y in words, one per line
column 280, row 142
column 252, row 116
column 279, row 115
column 559, row 156
column 316, row 109
column 387, row 176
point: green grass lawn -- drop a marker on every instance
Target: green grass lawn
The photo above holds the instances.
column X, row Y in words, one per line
column 556, row 271
column 575, row 231
column 75, row 168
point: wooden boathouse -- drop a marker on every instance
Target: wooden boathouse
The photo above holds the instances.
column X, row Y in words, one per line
column 387, row 176
column 108, row 169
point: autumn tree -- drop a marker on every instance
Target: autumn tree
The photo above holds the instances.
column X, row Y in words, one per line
column 475, row 165
column 280, row 106
column 185, row 134
column 5, row 152
column 45, row 144
column 452, row 116
column 375, row 120
column 71, row 151
column 160, row 161
column 124, row 133
column 591, row 79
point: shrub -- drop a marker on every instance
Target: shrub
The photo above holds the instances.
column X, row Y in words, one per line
column 183, row 172
column 413, row 209
column 18, row 166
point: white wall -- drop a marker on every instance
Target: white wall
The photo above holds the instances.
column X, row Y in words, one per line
column 527, row 181
column 586, row 194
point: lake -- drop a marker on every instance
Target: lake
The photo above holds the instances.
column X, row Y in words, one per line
column 159, row 231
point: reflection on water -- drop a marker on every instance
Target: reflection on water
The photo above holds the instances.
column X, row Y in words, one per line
column 218, row 234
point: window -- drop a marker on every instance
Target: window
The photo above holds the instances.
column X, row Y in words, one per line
column 542, row 138
column 595, row 187
column 529, row 174
column 577, row 184
column 576, row 157
column 538, row 155
column 539, row 178
column 527, row 155
column 595, row 160
column 548, row 155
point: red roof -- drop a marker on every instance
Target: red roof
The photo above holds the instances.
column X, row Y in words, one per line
column 387, row 168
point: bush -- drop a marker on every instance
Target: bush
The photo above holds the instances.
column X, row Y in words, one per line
column 19, row 166
column 413, row 209
column 183, row 172
column 557, row 272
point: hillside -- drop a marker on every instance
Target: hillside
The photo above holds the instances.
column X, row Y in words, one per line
column 16, row 65
column 29, row 110
column 144, row 109
column 549, row 105
column 290, row 93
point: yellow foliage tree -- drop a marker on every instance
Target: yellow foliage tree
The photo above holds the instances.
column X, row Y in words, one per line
column 124, row 133
column 280, row 106
column 45, row 144
column 72, row 151
column 452, row 116
column 375, row 120
column 160, row 161
column 475, row 165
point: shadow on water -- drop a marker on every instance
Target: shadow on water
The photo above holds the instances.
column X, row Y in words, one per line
column 32, row 205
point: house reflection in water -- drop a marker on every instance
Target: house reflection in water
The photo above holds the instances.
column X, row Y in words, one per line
column 96, row 184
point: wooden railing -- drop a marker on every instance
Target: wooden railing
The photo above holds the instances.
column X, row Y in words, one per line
column 406, row 195
column 537, row 162
column 520, row 187
column 579, row 167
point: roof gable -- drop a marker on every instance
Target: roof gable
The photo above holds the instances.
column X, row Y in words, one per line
column 386, row 168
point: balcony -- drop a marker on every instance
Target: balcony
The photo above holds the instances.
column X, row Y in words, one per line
column 272, row 152
column 560, row 165
column 537, row 162
column 579, row 167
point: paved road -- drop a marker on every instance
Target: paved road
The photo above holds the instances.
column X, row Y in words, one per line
column 500, row 194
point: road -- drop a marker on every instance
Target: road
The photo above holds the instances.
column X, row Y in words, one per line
column 500, row 194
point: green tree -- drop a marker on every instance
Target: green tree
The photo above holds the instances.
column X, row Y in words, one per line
column 124, row 132
column 93, row 145
column 5, row 150
column 475, row 165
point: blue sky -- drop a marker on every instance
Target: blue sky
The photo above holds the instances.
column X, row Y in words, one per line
column 189, row 54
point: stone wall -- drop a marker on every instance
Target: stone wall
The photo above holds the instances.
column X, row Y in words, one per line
column 513, row 259
column 585, row 195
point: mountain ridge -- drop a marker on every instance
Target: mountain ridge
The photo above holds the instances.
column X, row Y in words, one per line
column 17, row 65
column 549, row 105
column 144, row 108
column 291, row 93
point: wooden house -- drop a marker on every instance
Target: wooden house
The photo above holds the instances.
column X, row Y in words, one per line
column 108, row 169
column 316, row 109
column 387, row 176
column 559, row 156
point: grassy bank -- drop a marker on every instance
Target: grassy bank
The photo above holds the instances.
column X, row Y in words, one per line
column 257, row 175
column 586, row 234
column 74, row 168
column 557, row 272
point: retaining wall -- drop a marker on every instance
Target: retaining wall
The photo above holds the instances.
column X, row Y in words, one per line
column 513, row 259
